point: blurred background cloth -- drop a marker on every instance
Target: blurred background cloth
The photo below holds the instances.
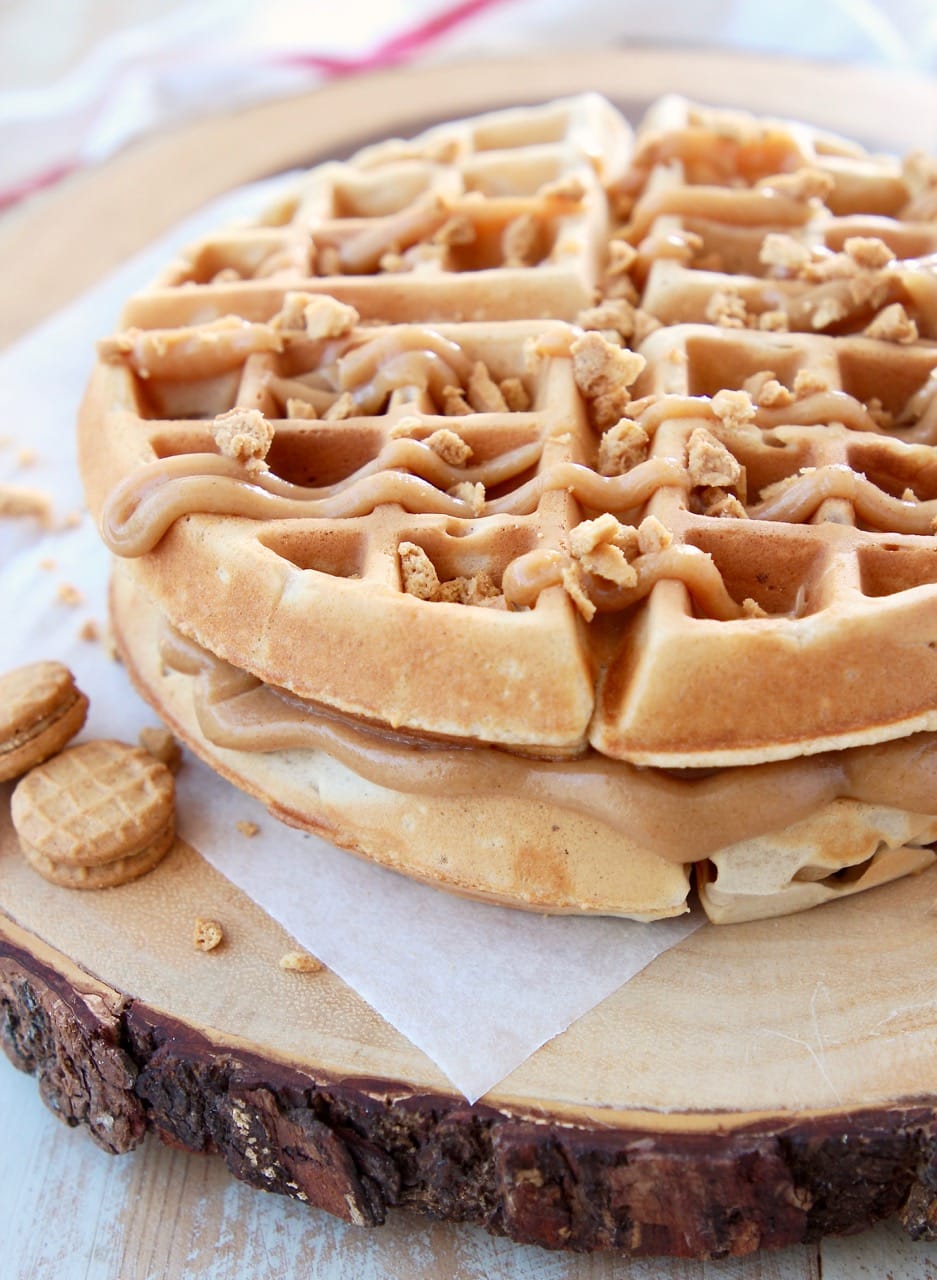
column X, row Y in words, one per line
column 80, row 78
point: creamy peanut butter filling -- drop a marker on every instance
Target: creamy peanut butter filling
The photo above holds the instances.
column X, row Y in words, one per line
column 681, row 818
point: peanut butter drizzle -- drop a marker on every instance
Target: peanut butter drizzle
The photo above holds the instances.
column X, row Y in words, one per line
column 362, row 365
column 801, row 498
column 678, row 818
column 746, row 208
column 144, row 504
column 190, row 352
column 527, row 576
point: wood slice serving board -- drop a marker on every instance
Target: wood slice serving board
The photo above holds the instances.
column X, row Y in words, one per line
column 758, row 1085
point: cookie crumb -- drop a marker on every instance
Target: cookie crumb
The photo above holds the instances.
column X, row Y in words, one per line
column 449, row 446
column 604, row 374
column 300, row 962
column 454, row 403
column 709, row 462
column 622, row 447
column 728, row 309
column 734, row 409
column 89, row 631
column 249, row 829
column 893, row 324
column 244, row 435
column 317, row 314
column 161, row 744
column 207, row 934
column 15, row 500
column 69, row 595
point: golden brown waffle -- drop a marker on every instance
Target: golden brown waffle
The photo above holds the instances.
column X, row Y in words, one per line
column 691, row 525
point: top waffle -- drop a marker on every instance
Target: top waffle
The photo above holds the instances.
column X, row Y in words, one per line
column 531, row 433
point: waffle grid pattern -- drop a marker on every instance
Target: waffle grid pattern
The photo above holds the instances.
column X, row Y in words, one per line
column 634, row 553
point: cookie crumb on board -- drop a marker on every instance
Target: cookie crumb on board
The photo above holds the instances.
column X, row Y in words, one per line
column 207, row 934
column 249, row 829
column 301, row 962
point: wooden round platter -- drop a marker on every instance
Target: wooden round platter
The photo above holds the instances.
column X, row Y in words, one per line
column 757, row 1086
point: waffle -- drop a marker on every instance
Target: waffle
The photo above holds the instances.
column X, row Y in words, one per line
column 538, row 441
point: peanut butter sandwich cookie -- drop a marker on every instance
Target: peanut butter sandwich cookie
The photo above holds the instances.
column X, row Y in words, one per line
column 96, row 816
column 41, row 710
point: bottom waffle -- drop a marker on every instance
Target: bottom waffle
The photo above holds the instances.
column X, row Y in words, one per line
column 589, row 837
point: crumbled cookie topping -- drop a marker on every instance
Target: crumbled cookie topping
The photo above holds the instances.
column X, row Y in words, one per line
column 515, row 395
column 450, row 447
column 622, row 447
column 893, row 324
column 317, row 314
column 454, row 403
column 728, row 309
column 810, row 382
column 420, row 579
column 709, row 462
column 604, row 373
column 342, row 408
column 69, row 595
column 605, row 547
column 734, row 409
column 244, row 435
column 473, row 495
column 767, row 392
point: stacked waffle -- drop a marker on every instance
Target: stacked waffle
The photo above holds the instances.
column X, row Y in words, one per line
column 547, row 511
